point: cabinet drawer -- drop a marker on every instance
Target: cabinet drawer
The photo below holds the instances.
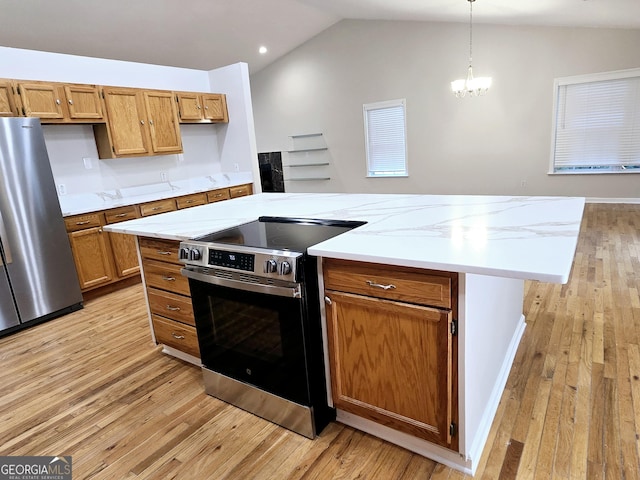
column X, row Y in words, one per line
column 177, row 335
column 191, row 200
column 217, row 195
column 161, row 206
column 121, row 214
column 159, row 249
column 80, row 222
column 240, row 191
column 393, row 283
column 165, row 276
column 171, row 305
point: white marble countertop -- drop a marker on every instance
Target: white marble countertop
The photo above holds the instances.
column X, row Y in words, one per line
column 77, row 204
column 516, row 237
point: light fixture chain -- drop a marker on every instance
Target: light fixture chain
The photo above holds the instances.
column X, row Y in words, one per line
column 470, row 30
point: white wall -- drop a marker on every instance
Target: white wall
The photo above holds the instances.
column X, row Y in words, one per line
column 205, row 145
column 486, row 145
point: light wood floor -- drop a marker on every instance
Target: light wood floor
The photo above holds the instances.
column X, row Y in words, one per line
column 92, row 385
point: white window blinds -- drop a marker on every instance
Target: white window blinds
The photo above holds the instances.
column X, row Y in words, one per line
column 597, row 124
column 385, row 139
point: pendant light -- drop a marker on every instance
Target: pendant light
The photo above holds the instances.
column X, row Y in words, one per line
column 471, row 86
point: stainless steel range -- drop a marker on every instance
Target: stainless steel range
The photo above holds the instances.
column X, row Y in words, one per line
column 256, row 305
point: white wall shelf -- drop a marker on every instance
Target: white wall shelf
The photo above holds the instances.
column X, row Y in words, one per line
column 315, row 158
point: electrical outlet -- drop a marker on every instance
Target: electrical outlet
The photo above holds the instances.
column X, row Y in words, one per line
column 523, row 183
column 88, row 164
column 62, row 189
column 163, row 176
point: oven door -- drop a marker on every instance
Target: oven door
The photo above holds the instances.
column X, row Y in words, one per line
column 252, row 333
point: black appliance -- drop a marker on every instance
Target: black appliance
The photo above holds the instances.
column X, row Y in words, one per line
column 256, row 304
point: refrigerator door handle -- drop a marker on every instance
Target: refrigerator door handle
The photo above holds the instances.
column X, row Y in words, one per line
column 5, row 243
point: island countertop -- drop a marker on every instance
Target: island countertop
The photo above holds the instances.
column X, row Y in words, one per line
column 505, row 236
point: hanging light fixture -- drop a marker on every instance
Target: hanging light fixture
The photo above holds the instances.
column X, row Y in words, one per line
column 471, row 86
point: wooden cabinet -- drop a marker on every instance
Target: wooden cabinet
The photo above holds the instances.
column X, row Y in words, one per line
column 140, row 123
column 218, row 195
column 193, row 200
column 61, row 103
column 159, row 206
column 168, row 295
column 240, row 191
column 91, row 250
column 102, row 258
column 8, row 107
column 123, row 246
column 194, row 107
column 392, row 349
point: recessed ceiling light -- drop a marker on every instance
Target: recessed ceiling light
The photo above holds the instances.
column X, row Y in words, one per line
column 262, row 50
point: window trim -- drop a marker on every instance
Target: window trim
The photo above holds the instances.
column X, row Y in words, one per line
column 377, row 106
column 578, row 79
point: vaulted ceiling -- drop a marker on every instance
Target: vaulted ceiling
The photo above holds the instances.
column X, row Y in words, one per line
column 206, row 34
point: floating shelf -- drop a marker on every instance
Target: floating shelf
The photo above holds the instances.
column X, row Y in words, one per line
column 306, row 135
column 309, row 179
column 307, row 149
column 307, row 164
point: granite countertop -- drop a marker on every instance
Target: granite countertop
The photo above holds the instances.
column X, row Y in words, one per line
column 91, row 202
column 515, row 237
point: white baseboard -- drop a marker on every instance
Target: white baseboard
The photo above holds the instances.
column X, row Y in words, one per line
column 612, row 200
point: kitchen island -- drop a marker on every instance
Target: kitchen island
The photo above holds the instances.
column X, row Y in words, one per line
column 493, row 243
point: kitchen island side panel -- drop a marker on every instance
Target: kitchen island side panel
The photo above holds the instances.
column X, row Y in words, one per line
column 491, row 325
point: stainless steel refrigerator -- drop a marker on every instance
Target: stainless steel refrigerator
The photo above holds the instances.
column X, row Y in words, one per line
column 38, row 279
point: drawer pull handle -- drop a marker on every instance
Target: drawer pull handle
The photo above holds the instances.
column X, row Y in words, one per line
column 172, row 308
column 83, row 223
column 177, row 337
column 378, row 285
column 120, row 215
column 189, row 201
column 155, row 209
column 169, row 279
column 163, row 252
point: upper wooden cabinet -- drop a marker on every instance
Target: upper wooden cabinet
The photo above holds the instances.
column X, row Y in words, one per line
column 60, row 103
column 140, row 123
column 196, row 107
column 8, row 106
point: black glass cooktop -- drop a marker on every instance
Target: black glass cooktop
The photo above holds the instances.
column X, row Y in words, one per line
column 281, row 233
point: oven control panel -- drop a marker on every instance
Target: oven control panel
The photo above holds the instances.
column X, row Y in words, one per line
column 271, row 264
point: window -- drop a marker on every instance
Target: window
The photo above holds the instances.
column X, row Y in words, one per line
column 597, row 123
column 385, row 138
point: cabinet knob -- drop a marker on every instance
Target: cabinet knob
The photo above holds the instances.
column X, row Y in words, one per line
column 327, row 300
column 70, row 102
column 142, row 122
column 58, row 101
column 150, row 122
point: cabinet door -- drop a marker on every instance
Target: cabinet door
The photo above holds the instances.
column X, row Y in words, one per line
column 127, row 123
column 7, row 101
column 92, row 257
column 189, row 107
column 41, row 100
column 83, row 102
column 391, row 363
column 215, row 107
column 125, row 254
column 163, row 122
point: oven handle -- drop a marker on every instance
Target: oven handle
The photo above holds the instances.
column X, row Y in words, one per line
column 291, row 292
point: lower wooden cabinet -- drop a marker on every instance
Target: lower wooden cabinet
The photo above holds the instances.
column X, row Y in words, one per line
column 101, row 258
column 92, row 255
column 104, row 258
column 168, row 295
column 391, row 361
